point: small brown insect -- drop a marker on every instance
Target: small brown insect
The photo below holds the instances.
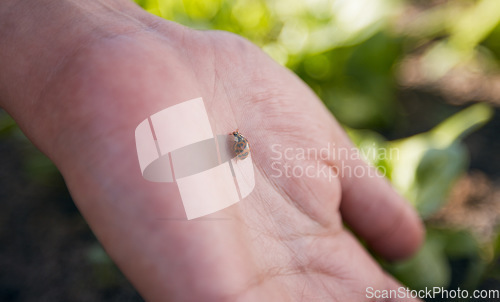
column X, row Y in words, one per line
column 241, row 146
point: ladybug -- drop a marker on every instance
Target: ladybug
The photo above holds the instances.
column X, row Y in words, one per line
column 241, row 146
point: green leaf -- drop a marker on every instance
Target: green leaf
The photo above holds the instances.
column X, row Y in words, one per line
column 429, row 163
column 7, row 124
column 460, row 244
column 461, row 124
column 436, row 173
column 428, row 268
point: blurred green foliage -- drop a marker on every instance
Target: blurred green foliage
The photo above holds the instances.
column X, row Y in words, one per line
column 426, row 167
column 7, row 124
column 351, row 54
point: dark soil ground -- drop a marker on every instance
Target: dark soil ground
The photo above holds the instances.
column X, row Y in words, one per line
column 47, row 251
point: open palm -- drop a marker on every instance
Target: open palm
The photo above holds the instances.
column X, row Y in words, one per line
column 284, row 242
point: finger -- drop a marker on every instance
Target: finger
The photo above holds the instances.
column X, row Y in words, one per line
column 373, row 209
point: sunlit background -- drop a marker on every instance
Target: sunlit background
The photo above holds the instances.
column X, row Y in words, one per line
column 420, row 76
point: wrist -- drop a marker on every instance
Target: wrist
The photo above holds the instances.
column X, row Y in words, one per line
column 39, row 36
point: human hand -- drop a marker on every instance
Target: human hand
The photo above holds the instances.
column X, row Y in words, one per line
column 103, row 74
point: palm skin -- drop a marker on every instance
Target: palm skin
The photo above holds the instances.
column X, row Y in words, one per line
column 285, row 242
